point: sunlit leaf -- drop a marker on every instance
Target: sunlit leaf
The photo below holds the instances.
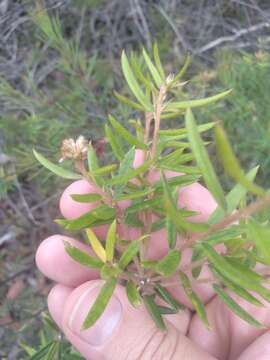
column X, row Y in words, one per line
column 153, row 70
column 133, row 294
column 100, row 303
column 233, row 198
column 82, row 257
column 96, row 245
column 129, row 254
column 56, row 169
column 237, row 309
column 116, row 148
column 85, row 198
column 133, row 84
column 189, row 104
column 153, row 310
column 168, row 265
column 168, row 298
column 110, row 241
column 203, row 160
column 230, row 162
column 235, row 288
column 195, row 300
column 125, row 134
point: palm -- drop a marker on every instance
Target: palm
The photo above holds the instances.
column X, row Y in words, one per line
column 230, row 337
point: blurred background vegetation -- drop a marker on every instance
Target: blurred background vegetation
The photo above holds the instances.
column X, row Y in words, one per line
column 58, row 70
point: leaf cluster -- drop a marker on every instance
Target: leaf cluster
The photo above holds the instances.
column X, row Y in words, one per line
column 176, row 158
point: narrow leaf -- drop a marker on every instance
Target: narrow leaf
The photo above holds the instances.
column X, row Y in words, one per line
column 85, row 198
column 133, row 84
column 128, row 102
column 164, row 310
column 100, row 303
column 240, row 291
column 108, row 271
column 133, row 294
column 104, row 170
column 154, row 72
column 167, row 297
column 129, row 254
column 133, row 195
column 58, row 170
column 125, row 134
column 41, row 354
column 157, row 61
column 110, row 241
column 230, row 162
column 233, row 198
column 168, row 265
column 92, row 159
column 131, row 174
column 203, row 160
column 198, row 305
column 116, row 148
column 189, row 104
column 238, row 310
column 183, row 131
column 260, row 235
column 171, row 233
column 153, row 310
column 96, row 245
column 82, row 257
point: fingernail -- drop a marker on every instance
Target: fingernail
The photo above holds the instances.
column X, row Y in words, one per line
column 101, row 331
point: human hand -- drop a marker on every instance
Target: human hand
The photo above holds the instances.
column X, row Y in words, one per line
column 124, row 332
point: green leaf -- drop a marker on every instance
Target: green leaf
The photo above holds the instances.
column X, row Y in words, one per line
column 133, row 294
column 183, row 69
column 203, row 160
column 133, row 84
column 182, row 180
column 189, row 104
column 82, row 257
column 190, row 170
column 129, row 254
column 58, row 170
column 104, row 170
column 146, row 204
column 101, row 212
column 171, row 233
column 233, row 198
column 238, row 310
column 183, row 131
column 108, row 271
column 116, row 147
column 198, row 305
column 168, row 265
column 164, row 310
column 100, row 303
column 153, row 310
column 41, row 354
column 158, row 62
column 167, row 297
column 125, row 134
column 133, row 195
column 131, row 174
column 92, row 159
column 128, row 102
column 240, row 276
column 85, row 198
column 154, row 72
column 230, row 162
column 260, row 235
column 240, row 291
column 110, row 241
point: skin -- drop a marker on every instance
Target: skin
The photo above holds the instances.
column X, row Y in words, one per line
column 124, row 332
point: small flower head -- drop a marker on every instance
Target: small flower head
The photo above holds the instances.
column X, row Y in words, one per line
column 74, row 149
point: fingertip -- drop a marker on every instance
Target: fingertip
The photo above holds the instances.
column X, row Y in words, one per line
column 56, row 301
column 71, row 209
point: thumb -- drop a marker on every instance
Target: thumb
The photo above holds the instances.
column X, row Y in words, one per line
column 123, row 332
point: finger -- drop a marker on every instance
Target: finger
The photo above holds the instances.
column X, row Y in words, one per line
column 53, row 260
column 56, row 300
column 230, row 335
column 259, row 349
column 122, row 331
